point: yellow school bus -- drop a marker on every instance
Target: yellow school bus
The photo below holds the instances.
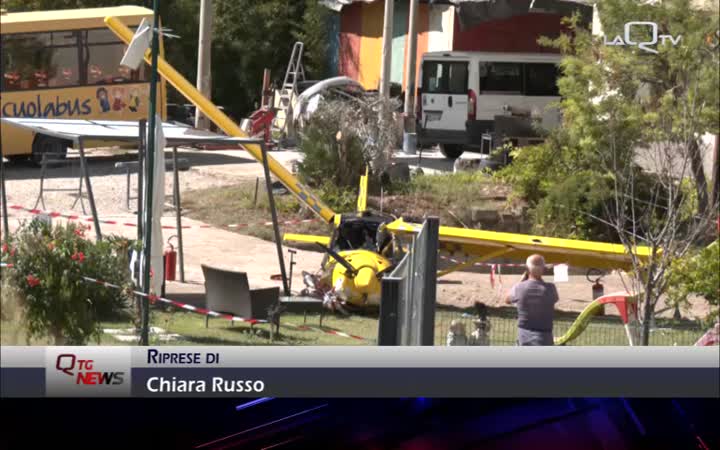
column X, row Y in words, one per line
column 66, row 64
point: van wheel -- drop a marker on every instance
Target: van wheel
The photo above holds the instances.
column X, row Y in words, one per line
column 451, row 151
column 46, row 144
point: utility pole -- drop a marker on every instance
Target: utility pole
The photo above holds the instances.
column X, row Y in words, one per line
column 409, row 136
column 386, row 63
column 204, row 74
column 150, row 170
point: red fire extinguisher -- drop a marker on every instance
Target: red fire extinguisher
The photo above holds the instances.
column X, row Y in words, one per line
column 598, row 290
column 170, row 257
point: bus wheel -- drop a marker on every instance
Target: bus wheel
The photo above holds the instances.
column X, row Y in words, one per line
column 16, row 159
column 451, row 151
column 46, row 144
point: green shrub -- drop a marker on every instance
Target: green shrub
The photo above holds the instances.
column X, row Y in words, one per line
column 571, row 207
column 698, row 273
column 49, row 264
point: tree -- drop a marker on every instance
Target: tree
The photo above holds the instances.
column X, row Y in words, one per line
column 249, row 36
column 635, row 119
column 343, row 136
column 678, row 75
column 697, row 274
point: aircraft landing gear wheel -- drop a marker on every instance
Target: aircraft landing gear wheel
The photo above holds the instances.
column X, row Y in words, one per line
column 451, row 151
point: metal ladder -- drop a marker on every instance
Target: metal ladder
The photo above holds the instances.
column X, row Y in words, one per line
column 289, row 91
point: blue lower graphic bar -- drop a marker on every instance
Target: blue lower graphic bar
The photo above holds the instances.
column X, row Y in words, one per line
column 267, row 383
column 22, row 382
column 430, row 382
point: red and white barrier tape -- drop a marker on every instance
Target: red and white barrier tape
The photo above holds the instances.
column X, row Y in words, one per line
column 131, row 224
column 203, row 311
column 207, row 312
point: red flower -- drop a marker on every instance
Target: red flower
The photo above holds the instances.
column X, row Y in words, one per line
column 79, row 232
column 151, row 273
column 32, row 280
column 78, row 256
column 51, row 246
column 4, row 248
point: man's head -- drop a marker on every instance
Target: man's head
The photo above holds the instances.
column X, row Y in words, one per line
column 536, row 266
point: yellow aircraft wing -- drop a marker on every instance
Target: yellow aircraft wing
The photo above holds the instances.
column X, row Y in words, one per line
column 308, row 238
column 484, row 245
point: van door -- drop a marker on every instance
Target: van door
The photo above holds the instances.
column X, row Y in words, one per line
column 444, row 92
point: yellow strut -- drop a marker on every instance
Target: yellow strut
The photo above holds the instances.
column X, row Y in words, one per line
column 225, row 123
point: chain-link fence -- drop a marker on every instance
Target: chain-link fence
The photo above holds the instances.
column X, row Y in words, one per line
column 602, row 330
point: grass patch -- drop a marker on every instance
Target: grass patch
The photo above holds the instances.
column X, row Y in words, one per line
column 222, row 206
column 451, row 196
column 191, row 327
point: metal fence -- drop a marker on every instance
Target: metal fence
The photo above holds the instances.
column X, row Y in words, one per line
column 602, row 330
column 407, row 311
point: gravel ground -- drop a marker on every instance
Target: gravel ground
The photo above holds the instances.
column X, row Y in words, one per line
column 207, row 169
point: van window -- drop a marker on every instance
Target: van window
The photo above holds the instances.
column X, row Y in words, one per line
column 501, row 77
column 445, row 77
column 541, row 80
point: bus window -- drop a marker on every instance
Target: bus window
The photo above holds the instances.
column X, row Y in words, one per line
column 500, row 77
column 39, row 60
column 102, row 54
column 445, row 77
column 541, row 80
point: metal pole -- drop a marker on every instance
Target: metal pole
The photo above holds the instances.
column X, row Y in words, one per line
column 386, row 63
column 88, row 186
column 427, row 326
column 149, row 159
column 140, row 174
column 292, row 263
column 204, row 74
column 178, row 215
column 276, row 227
column 408, row 141
column 3, row 197
column 388, row 323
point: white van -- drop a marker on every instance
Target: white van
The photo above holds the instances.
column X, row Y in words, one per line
column 460, row 93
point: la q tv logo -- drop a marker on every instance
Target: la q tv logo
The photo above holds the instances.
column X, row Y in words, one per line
column 646, row 45
column 83, row 371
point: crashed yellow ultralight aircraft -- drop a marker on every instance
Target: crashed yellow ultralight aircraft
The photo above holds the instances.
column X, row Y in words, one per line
column 359, row 252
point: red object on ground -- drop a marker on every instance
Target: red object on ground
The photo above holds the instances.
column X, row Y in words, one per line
column 712, row 337
column 262, row 122
column 627, row 310
column 170, row 263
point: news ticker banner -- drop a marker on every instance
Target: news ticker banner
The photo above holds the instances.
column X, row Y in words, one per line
column 359, row 371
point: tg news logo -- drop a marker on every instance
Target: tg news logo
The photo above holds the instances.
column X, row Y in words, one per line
column 83, row 371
